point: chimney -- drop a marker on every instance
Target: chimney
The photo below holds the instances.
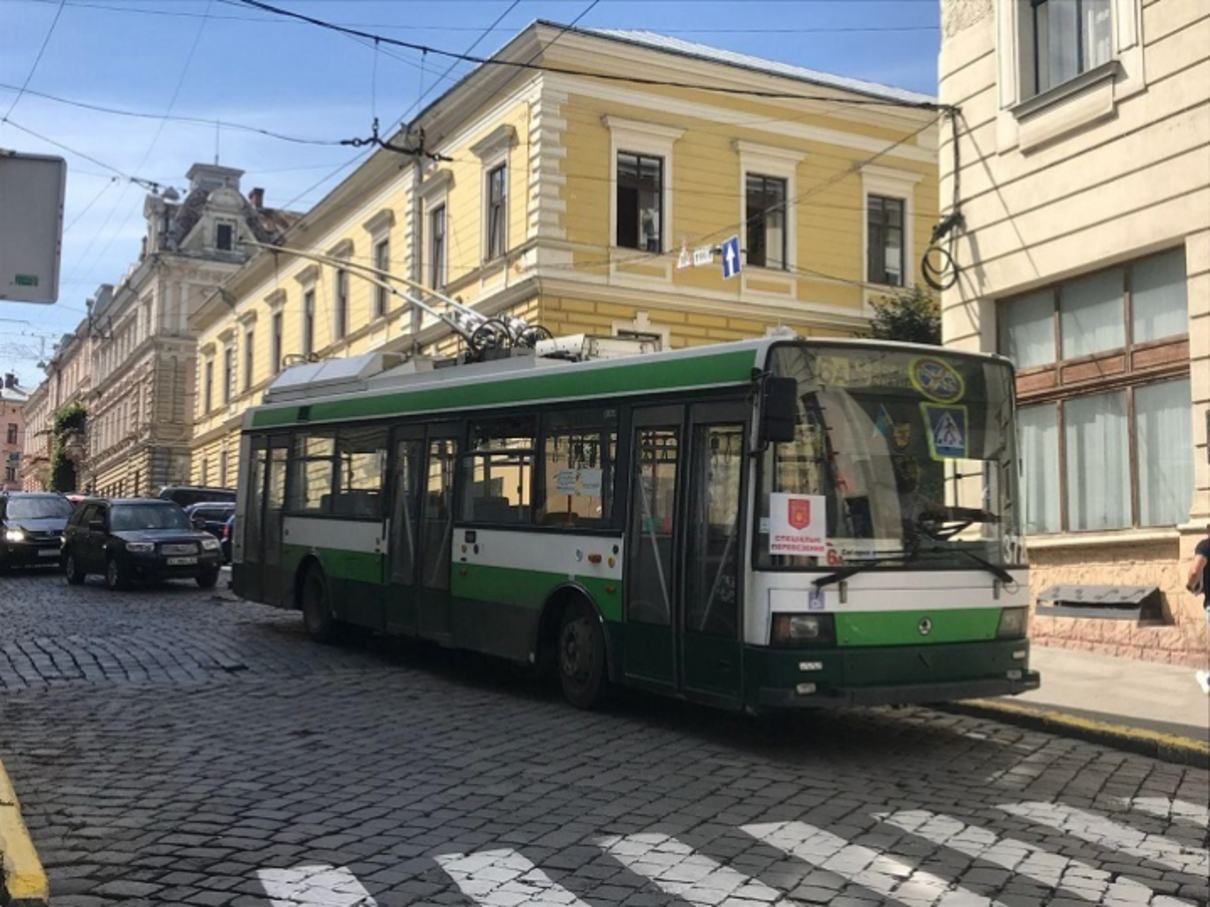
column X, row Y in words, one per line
column 10, row 380
column 257, row 197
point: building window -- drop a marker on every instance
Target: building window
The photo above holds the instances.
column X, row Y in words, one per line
column 228, row 373
column 276, row 348
column 12, row 433
column 10, row 473
column 640, row 201
column 308, row 324
column 1100, row 457
column 497, row 211
column 766, row 221
column 437, row 247
column 222, row 467
column 382, row 261
column 1067, row 37
column 248, row 351
column 224, row 236
column 341, row 303
column 208, row 386
column 884, row 246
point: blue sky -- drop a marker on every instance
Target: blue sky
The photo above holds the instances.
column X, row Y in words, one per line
column 219, row 59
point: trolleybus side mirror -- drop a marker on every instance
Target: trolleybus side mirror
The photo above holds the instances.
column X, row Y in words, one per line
column 778, row 409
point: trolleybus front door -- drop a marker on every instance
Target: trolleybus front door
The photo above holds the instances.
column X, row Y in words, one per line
column 274, row 582
column 711, row 586
column 684, row 549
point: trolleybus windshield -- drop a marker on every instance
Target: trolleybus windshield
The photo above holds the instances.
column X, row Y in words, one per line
column 900, row 460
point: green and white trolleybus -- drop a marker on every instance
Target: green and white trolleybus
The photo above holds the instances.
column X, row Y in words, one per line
column 765, row 524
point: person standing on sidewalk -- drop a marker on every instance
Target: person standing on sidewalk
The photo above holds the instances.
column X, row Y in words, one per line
column 1199, row 581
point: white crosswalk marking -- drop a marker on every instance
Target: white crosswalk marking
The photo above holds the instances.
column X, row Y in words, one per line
column 1172, row 809
column 1105, row 832
column 1049, row 869
column 502, row 878
column 318, row 885
column 693, row 877
column 886, row 875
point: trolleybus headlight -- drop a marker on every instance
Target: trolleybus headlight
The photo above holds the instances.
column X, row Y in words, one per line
column 798, row 629
column 1012, row 623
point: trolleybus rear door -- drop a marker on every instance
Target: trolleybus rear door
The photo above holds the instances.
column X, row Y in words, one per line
column 652, row 544
column 711, row 584
column 402, row 613
column 436, row 535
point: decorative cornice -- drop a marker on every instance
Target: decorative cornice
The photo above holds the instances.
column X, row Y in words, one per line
column 499, row 139
column 639, row 127
column 440, row 181
column 342, row 249
column 248, row 318
column 276, row 299
column 380, row 222
column 756, row 149
column 308, row 275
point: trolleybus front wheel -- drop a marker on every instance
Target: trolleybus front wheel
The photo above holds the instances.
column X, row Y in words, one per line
column 582, row 657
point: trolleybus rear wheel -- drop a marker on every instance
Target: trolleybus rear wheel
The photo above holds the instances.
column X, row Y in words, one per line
column 581, row 657
column 317, row 612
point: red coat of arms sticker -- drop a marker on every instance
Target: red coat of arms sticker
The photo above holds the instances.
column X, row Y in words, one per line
column 798, row 512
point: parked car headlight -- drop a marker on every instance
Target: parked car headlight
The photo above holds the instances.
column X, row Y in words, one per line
column 140, row 547
column 210, row 543
column 14, row 535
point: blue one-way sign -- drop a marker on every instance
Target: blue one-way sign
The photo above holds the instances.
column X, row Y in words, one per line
column 730, row 255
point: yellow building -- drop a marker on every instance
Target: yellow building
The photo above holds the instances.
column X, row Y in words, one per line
column 573, row 195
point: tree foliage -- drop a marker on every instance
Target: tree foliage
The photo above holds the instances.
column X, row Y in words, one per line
column 67, row 445
column 913, row 316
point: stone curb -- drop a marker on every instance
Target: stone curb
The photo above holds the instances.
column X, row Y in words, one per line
column 1167, row 747
column 23, row 882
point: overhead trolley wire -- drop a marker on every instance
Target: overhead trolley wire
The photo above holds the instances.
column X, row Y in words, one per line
column 37, row 59
column 561, row 70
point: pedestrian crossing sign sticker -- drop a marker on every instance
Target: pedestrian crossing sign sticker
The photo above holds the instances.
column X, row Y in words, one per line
column 947, row 430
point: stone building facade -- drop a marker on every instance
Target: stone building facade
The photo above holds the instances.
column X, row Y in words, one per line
column 143, row 358
column 12, row 431
column 571, row 201
column 35, row 446
column 1084, row 185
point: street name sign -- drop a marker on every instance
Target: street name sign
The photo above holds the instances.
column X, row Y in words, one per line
column 32, row 188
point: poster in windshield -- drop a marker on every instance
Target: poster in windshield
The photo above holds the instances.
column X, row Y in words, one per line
column 908, row 456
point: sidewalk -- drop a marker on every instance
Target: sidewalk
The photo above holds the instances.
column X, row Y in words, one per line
column 22, row 879
column 1136, row 705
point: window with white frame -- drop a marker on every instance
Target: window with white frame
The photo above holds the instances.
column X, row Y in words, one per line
column 640, row 201
column 208, row 386
column 1105, row 420
column 641, row 160
column 1063, row 38
column 437, row 225
column 382, row 262
column 249, row 348
column 765, row 221
column 224, row 235
column 275, row 347
column 308, row 322
column 886, row 258
column 497, row 211
column 340, row 304
column 228, row 372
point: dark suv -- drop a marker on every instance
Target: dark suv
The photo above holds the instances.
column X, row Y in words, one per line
column 185, row 495
column 137, row 538
column 31, row 527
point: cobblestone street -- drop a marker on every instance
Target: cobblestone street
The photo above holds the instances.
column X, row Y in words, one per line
column 178, row 746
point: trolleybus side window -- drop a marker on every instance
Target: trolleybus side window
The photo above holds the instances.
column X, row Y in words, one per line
column 437, row 521
column 360, row 468
column 311, row 478
column 497, row 471
column 579, row 451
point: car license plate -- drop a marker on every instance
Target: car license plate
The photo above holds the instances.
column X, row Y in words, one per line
column 181, row 561
column 48, row 552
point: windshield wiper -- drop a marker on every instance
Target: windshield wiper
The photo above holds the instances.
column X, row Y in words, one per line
column 994, row 569
column 851, row 569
